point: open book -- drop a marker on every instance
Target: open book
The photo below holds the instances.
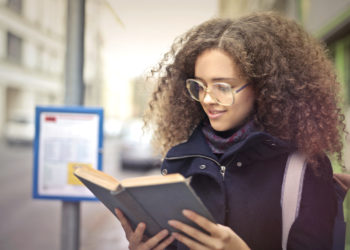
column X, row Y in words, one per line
column 151, row 199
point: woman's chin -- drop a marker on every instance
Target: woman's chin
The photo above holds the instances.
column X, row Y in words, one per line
column 220, row 127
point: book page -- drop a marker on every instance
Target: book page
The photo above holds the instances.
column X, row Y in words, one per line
column 152, row 180
column 97, row 177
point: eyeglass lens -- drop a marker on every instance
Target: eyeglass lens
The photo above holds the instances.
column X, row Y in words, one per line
column 220, row 92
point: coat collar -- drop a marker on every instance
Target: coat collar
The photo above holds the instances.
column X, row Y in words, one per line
column 259, row 145
column 196, row 144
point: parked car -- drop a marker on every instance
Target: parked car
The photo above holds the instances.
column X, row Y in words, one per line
column 112, row 127
column 19, row 129
column 136, row 151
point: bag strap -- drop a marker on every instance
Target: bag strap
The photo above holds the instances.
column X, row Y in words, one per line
column 292, row 187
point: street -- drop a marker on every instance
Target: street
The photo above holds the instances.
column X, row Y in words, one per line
column 36, row 224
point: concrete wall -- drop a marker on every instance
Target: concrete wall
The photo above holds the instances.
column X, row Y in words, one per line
column 320, row 13
column 235, row 8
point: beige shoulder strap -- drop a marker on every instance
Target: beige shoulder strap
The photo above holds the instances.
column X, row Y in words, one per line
column 292, row 187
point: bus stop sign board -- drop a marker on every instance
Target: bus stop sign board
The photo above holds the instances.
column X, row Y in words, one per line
column 65, row 137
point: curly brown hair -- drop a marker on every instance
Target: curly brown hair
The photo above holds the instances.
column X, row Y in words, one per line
column 294, row 82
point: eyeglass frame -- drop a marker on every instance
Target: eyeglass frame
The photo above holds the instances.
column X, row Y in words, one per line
column 205, row 88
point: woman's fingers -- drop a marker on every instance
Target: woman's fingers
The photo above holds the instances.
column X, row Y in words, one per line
column 218, row 238
column 154, row 241
column 125, row 223
column 193, row 245
column 202, row 240
column 194, row 233
column 137, row 236
column 165, row 243
column 201, row 221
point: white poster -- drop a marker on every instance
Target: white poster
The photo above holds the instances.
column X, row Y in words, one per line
column 66, row 140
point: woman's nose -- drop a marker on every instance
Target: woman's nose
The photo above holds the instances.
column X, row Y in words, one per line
column 208, row 99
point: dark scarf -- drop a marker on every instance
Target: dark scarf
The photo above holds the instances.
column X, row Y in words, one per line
column 219, row 142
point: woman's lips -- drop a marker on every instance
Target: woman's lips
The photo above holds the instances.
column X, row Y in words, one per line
column 214, row 114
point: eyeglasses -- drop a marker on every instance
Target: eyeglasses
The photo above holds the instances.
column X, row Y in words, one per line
column 222, row 92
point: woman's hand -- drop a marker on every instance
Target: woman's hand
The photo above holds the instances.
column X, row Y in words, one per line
column 136, row 238
column 221, row 237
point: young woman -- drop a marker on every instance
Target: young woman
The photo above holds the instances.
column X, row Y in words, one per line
column 235, row 98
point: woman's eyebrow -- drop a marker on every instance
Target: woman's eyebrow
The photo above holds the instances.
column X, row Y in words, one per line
column 230, row 79
column 217, row 79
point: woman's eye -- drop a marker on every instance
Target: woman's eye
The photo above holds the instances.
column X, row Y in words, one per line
column 223, row 88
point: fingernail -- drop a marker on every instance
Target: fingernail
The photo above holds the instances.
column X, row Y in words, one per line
column 164, row 232
column 186, row 212
column 172, row 222
column 117, row 212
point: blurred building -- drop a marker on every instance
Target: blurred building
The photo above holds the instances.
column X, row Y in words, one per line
column 32, row 56
column 93, row 63
column 140, row 95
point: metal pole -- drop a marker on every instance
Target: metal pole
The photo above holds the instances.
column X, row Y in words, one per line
column 70, row 233
column 74, row 96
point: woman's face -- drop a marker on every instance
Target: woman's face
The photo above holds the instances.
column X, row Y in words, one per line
column 213, row 66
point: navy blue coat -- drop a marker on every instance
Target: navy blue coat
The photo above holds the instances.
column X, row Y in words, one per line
column 242, row 190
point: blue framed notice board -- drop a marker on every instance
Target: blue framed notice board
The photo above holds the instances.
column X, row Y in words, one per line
column 65, row 137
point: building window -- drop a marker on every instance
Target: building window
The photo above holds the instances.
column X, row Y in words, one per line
column 15, row 5
column 14, row 48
